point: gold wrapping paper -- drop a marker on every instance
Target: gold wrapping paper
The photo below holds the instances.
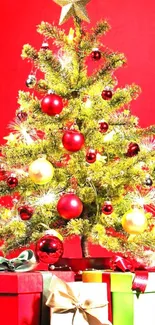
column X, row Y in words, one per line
column 67, row 299
column 72, row 8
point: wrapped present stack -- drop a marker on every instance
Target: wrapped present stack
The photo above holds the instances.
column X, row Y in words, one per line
column 76, row 162
column 26, row 290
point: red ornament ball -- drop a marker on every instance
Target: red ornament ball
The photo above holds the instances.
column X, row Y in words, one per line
column 12, row 181
column 103, row 127
column 69, row 206
column 73, row 140
column 22, row 116
column 52, row 104
column 25, row 212
column 49, row 249
column 91, row 156
column 133, row 149
column 106, row 94
column 107, row 208
column 96, row 54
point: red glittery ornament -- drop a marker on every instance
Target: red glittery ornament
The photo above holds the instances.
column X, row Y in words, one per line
column 52, row 104
column 91, row 156
column 73, row 140
column 25, row 212
column 12, row 181
column 133, row 149
column 96, row 54
column 69, row 206
column 107, row 208
column 106, row 94
column 103, row 127
column 22, row 116
column 49, row 249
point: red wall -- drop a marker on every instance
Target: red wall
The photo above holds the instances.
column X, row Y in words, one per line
column 133, row 33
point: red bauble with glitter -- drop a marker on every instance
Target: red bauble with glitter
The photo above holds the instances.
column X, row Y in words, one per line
column 133, row 149
column 107, row 208
column 96, row 54
column 52, row 104
column 73, row 140
column 49, row 249
column 91, row 156
column 22, row 116
column 25, row 212
column 103, row 126
column 12, row 181
column 106, row 94
column 69, row 206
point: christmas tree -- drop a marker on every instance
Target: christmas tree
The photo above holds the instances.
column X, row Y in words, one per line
column 76, row 161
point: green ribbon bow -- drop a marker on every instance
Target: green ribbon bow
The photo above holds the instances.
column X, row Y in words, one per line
column 25, row 262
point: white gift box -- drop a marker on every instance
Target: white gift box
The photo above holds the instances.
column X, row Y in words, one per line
column 78, row 303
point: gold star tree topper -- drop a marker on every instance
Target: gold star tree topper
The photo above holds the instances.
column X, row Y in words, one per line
column 72, row 8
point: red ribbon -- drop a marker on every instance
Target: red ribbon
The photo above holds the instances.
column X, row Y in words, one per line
column 123, row 264
column 140, row 281
column 119, row 262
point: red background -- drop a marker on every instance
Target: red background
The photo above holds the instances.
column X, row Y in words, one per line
column 133, row 33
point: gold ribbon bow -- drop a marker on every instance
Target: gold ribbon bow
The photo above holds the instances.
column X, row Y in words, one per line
column 62, row 299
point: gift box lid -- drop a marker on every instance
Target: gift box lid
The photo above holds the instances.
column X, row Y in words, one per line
column 122, row 282
column 25, row 282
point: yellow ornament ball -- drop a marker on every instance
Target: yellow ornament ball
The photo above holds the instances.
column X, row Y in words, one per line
column 41, row 171
column 134, row 221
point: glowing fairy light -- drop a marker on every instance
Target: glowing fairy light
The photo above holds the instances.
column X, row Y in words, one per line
column 64, row 59
column 46, row 198
column 88, row 103
column 70, row 36
column 11, row 137
column 22, row 132
column 148, row 143
column 109, row 136
column 99, row 157
column 138, row 199
column 27, row 138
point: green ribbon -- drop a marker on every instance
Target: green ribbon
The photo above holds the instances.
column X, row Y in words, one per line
column 24, row 262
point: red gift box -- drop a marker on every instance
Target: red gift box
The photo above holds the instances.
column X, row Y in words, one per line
column 21, row 296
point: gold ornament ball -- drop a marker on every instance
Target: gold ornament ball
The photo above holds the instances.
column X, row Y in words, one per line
column 41, row 171
column 134, row 221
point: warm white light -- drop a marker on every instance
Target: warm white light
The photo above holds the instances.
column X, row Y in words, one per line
column 26, row 136
column 148, row 143
column 70, row 36
column 46, row 198
column 65, row 59
column 140, row 200
column 88, row 103
column 109, row 136
column 99, row 157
